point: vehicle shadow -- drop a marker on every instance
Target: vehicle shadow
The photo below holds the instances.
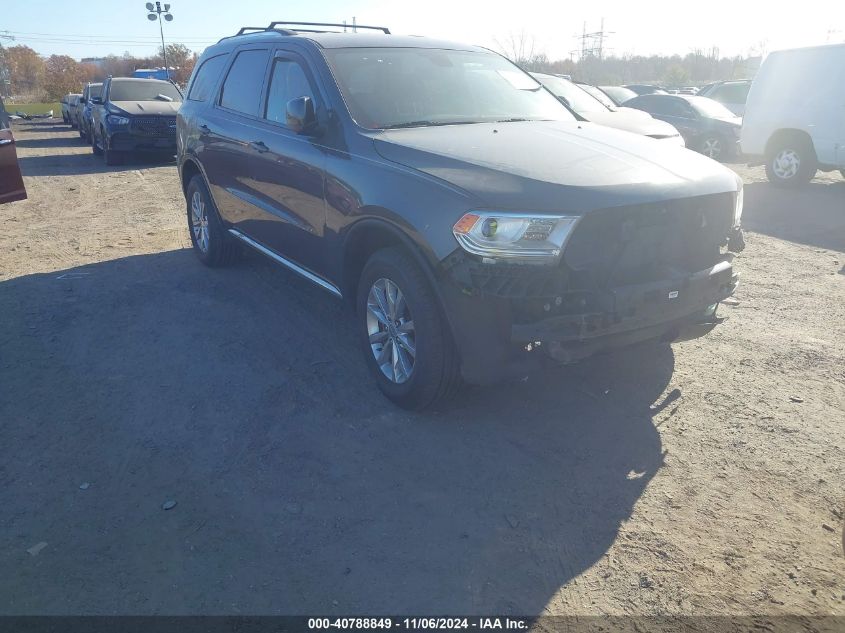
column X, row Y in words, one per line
column 54, row 141
column 241, row 395
column 49, row 125
column 813, row 214
column 84, row 162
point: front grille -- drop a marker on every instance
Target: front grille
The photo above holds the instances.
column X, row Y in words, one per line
column 649, row 242
column 153, row 126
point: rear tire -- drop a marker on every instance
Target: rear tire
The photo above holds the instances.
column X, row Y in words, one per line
column 212, row 243
column 791, row 162
column 416, row 329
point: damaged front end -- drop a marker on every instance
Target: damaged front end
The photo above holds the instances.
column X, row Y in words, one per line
column 625, row 275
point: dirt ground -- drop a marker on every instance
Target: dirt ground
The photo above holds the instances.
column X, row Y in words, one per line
column 702, row 478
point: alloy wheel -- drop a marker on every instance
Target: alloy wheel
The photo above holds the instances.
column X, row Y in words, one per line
column 199, row 221
column 390, row 327
column 786, row 164
column 712, row 147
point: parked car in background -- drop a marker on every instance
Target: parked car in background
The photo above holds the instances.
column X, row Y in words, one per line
column 795, row 114
column 75, row 110
column 11, row 182
column 67, row 104
column 646, row 89
column 151, row 73
column 133, row 116
column 731, row 94
column 476, row 225
column 596, row 93
column 90, row 91
column 588, row 108
column 706, row 125
column 619, row 94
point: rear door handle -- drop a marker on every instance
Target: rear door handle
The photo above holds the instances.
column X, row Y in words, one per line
column 205, row 129
column 259, row 147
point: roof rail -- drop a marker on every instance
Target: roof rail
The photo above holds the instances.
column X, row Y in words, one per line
column 383, row 29
column 246, row 29
column 293, row 31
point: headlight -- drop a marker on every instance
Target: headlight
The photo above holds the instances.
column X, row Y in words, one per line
column 117, row 120
column 738, row 206
column 530, row 238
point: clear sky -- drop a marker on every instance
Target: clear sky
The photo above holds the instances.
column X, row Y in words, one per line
column 94, row 28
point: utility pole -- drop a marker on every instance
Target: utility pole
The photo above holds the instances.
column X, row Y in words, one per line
column 155, row 11
column 5, row 76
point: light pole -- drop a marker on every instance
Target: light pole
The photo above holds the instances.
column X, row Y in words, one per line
column 155, row 13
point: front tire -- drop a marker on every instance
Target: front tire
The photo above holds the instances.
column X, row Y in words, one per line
column 791, row 162
column 714, row 146
column 404, row 337
column 212, row 243
column 96, row 149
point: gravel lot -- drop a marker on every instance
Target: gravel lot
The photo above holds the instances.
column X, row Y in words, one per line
column 702, row 478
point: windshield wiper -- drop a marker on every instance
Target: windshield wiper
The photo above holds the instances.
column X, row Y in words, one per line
column 396, row 126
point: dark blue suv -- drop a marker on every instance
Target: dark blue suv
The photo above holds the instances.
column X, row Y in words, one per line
column 476, row 226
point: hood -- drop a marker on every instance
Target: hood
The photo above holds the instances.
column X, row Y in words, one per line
column 632, row 120
column 549, row 166
column 151, row 108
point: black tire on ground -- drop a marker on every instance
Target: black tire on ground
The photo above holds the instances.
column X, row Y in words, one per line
column 94, row 147
column 111, row 157
column 789, row 151
column 436, row 368
column 222, row 249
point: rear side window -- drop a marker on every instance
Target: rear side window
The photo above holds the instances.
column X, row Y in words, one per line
column 731, row 93
column 242, row 88
column 206, row 78
column 288, row 81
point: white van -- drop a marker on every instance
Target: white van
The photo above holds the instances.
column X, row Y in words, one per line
column 795, row 114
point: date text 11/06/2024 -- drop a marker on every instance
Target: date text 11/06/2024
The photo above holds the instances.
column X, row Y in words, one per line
column 421, row 624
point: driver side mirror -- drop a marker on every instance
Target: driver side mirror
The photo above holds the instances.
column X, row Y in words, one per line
column 300, row 116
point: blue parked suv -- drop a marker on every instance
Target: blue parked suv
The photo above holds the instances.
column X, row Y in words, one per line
column 477, row 228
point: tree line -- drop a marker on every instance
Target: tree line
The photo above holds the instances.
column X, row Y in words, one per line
column 30, row 77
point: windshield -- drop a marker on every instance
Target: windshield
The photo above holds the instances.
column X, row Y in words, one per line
column 619, row 94
column 94, row 90
column 598, row 94
column 710, row 108
column 576, row 98
column 143, row 91
column 414, row 87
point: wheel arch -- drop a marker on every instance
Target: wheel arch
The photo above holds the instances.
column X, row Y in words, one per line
column 369, row 235
column 365, row 237
column 785, row 134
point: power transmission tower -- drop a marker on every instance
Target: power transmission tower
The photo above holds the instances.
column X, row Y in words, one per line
column 592, row 43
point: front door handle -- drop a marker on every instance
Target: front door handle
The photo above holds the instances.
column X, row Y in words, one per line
column 205, row 129
column 259, row 147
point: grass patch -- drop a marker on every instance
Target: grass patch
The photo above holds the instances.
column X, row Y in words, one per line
column 35, row 108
